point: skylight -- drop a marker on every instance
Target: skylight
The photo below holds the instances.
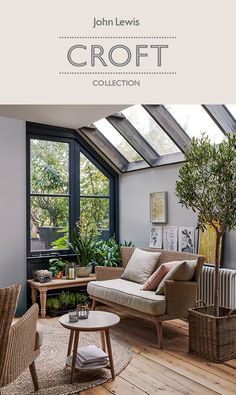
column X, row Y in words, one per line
column 195, row 121
column 232, row 109
column 150, row 130
column 154, row 135
column 117, row 140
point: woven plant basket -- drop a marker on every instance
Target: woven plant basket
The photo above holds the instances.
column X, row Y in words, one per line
column 210, row 337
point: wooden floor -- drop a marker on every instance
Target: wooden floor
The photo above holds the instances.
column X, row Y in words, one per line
column 169, row 371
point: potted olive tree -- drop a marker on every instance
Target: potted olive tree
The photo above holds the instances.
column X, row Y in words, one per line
column 207, row 185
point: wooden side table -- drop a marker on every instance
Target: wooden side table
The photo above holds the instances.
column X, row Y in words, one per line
column 42, row 288
column 100, row 321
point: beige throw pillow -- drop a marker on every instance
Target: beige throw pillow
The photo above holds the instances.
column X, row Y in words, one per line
column 185, row 271
column 140, row 266
column 182, row 271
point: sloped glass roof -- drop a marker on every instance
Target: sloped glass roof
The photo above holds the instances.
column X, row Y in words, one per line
column 195, row 121
column 150, row 130
column 232, row 109
column 154, row 135
column 111, row 134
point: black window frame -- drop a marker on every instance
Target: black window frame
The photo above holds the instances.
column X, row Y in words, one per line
column 76, row 145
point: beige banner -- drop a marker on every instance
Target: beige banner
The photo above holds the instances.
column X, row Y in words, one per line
column 100, row 51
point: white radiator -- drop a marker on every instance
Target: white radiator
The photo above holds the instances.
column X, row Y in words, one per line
column 227, row 286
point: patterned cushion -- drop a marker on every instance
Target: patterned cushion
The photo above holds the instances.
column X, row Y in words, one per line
column 140, row 266
column 152, row 283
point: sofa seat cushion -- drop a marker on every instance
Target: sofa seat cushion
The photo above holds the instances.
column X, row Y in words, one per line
column 128, row 294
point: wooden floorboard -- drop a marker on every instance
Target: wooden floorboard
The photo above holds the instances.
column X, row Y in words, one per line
column 169, row 371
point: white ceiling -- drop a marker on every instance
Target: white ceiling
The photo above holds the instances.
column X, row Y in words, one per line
column 66, row 116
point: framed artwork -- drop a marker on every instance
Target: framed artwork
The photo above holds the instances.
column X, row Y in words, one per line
column 186, row 239
column 158, row 207
column 155, row 237
column 207, row 245
column 170, row 238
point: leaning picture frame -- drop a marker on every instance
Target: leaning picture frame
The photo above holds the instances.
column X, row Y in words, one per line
column 186, row 239
column 155, row 237
column 170, row 238
column 207, row 245
column 158, row 208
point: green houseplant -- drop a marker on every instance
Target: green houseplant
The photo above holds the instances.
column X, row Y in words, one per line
column 57, row 265
column 65, row 301
column 207, row 184
column 83, row 246
column 107, row 253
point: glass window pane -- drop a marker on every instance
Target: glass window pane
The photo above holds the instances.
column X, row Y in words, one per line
column 49, row 166
column 150, row 130
column 232, row 109
column 95, row 211
column 117, row 140
column 49, row 219
column 92, row 180
column 195, row 121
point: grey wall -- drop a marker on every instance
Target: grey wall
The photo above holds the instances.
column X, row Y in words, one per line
column 13, row 205
column 135, row 189
column 134, row 206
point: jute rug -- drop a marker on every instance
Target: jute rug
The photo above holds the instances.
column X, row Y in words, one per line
column 54, row 376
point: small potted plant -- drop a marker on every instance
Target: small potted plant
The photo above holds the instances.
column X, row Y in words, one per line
column 57, row 265
column 83, row 246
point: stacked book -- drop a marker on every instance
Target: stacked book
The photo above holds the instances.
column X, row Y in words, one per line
column 91, row 357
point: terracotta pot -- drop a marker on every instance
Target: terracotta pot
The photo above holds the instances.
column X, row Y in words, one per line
column 58, row 276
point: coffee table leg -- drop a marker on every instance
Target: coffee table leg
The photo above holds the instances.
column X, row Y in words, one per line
column 108, row 340
column 103, row 341
column 70, row 342
column 76, row 341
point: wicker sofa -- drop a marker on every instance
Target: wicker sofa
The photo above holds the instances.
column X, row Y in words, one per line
column 179, row 296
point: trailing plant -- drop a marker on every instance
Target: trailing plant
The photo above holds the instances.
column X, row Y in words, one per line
column 107, row 253
column 207, row 184
column 57, row 265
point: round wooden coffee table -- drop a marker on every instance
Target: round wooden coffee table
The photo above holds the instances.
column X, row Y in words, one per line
column 100, row 321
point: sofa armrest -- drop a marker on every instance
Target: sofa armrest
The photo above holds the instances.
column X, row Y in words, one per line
column 108, row 273
column 180, row 296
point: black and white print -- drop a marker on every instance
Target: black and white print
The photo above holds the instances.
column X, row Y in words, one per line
column 155, row 237
column 186, row 239
column 170, row 238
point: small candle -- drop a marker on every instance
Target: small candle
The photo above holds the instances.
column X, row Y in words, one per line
column 71, row 273
column 73, row 317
